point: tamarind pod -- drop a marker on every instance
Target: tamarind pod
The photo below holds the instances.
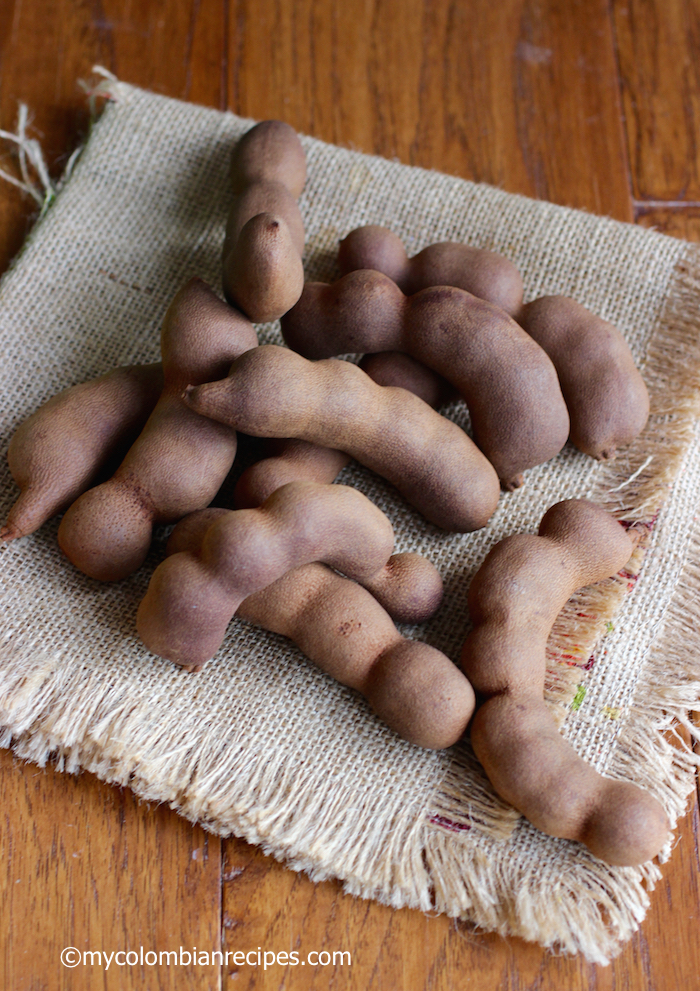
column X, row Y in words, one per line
column 179, row 460
column 514, row 600
column 507, row 381
column 482, row 273
column 401, row 370
column 341, row 627
column 194, row 594
column 430, row 460
column 412, row 687
column 606, row 396
column 291, row 460
column 262, row 267
column 190, row 531
column 58, row 451
column 298, row 459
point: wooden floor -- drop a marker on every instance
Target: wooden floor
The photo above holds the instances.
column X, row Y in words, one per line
column 590, row 103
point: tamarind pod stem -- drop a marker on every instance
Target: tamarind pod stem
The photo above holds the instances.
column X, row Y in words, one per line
column 333, row 403
column 58, row 452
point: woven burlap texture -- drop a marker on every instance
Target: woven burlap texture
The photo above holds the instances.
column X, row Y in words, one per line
column 261, row 744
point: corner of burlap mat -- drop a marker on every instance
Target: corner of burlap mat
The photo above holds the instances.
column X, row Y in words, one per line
column 261, row 744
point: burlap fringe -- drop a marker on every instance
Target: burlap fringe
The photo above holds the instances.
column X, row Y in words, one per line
column 70, row 714
column 34, row 178
column 453, row 856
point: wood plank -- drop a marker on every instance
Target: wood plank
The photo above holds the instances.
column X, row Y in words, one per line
column 87, row 866
column 265, row 905
column 657, row 44
column 170, row 46
column 683, row 222
column 521, row 94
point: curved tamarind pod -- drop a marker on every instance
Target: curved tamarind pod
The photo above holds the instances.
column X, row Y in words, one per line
column 415, row 689
column 606, row 396
column 506, row 379
column 179, row 460
column 429, row 459
column 298, row 459
column 262, row 268
column 482, row 273
column 58, row 452
column 341, row 627
column 514, row 600
column 193, row 596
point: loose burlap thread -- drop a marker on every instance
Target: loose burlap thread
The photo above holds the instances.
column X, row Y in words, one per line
column 261, row 744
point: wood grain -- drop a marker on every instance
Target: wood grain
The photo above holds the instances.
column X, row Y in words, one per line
column 521, row 94
column 525, row 94
column 657, row 43
column 86, row 866
column 267, row 905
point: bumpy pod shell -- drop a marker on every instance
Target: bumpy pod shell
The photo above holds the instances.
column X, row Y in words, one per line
column 514, row 599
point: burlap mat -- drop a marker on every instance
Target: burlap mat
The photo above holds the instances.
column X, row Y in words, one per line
column 261, row 744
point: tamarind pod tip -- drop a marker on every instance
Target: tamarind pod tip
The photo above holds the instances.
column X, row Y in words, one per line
column 209, row 400
column 511, row 484
column 636, row 533
column 263, row 273
column 28, row 513
column 608, row 454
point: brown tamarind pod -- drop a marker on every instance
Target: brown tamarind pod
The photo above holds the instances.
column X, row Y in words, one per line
column 507, row 381
column 193, row 596
column 514, row 600
column 262, row 268
column 606, row 396
column 429, row 459
column 412, row 687
column 342, row 628
column 401, row 370
column 291, row 459
column 59, row 451
column 179, row 460
column 482, row 273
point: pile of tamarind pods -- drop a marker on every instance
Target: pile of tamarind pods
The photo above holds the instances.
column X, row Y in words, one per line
column 313, row 561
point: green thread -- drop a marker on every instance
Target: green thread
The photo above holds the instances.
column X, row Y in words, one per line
column 578, row 697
